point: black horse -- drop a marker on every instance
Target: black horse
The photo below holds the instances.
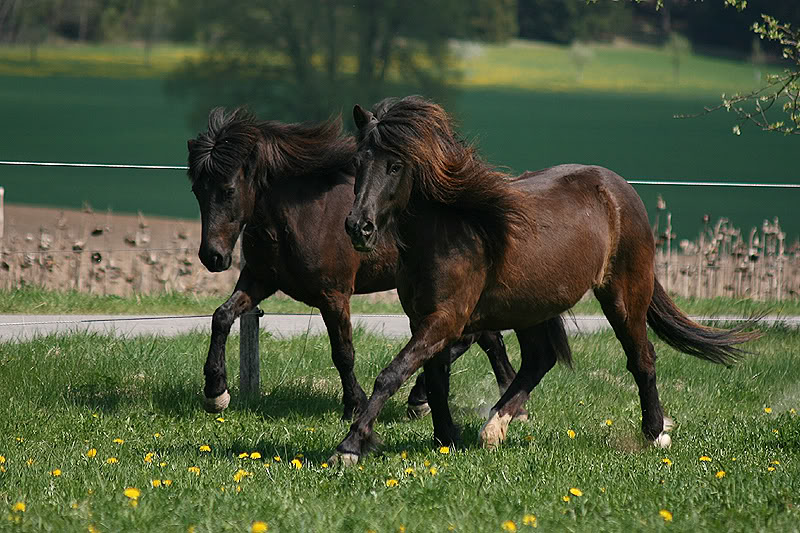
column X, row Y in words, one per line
column 290, row 187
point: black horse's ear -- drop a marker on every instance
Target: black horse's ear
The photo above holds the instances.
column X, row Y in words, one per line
column 361, row 116
column 189, row 144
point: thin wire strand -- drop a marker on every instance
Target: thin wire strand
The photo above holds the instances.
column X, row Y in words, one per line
column 631, row 181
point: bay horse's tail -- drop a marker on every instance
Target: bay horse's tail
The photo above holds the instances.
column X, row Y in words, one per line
column 685, row 335
column 557, row 338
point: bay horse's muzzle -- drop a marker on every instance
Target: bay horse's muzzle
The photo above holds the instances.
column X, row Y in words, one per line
column 213, row 260
column 361, row 231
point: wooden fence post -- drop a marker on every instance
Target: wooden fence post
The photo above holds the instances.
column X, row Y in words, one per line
column 249, row 383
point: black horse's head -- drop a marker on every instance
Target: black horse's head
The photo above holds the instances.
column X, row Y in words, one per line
column 384, row 178
column 223, row 168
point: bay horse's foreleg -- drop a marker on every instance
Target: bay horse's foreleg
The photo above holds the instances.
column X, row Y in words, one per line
column 431, row 337
column 418, row 405
column 335, row 311
column 437, row 387
column 538, row 357
column 247, row 294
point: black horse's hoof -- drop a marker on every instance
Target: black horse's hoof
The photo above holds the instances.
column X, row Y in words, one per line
column 418, row 411
column 218, row 403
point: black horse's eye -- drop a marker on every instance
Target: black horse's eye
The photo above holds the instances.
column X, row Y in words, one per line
column 228, row 193
column 395, row 167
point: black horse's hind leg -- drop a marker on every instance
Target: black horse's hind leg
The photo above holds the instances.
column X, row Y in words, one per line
column 247, row 294
column 490, row 342
column 437, row 384
column 538, row 357
column 627, row 313
column 335, row 310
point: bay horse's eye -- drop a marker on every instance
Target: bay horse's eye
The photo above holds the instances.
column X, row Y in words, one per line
column 395, row 167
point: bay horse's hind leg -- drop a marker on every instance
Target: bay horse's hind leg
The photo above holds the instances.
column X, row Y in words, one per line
column 626, row 310
column 538, row 357
column 247, row 294
column 418, row 405
column 335, row 311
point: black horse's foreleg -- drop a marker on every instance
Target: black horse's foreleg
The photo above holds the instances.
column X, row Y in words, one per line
column 247, row 294
column 335, row 311
column 430, row 338
column 438, row 388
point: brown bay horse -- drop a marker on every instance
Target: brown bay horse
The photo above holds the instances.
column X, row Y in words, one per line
column 288, row 187
column 484, row 250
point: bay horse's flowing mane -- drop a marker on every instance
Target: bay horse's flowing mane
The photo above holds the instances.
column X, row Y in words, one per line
column 448, row 170
column 272, row 149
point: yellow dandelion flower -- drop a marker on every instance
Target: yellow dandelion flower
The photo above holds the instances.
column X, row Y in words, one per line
column 603, row 490
column 168, row 482
column 666, row 515
column 19, row 507
column 576, row 492
column 259, row 527
column 205, row 448
column 194, row 470
column 190, row 529
column 244, row 455
column 404, row 455
column 20, row 439
column 56, row 472
column 391, row 482
column 609, row 422
column 401, row 529
column 157, row 435
column 297, row 464
column 776, row 462
column 2, row 459
column 312, row 430
column 266, row 466
column 529, row 520
column 93, row 529
column 409, row 470
column 705, row 458
column 509, row 525
column 666, row 461
column 220, row 419
column 148, row 458
column 433, row 470
column 91, row 453
column 255, row 455
column 570, row 434
column 426, row 463
column 156, row 483
column 793, row 411
column 444, row 449
column 112, row 460
column 162, row 464
column 566, row 498
column 119, row 441
column 277, row 458
column 132, row 492
column 30, row 461
column 770, row 469
column 324, row 465
column 768, row 410
column 720, row 474
column 241, row 474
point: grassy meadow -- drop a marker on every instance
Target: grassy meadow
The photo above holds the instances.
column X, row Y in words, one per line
column 522, row 103
column 105, row 434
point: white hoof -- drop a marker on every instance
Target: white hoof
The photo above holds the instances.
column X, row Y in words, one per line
column 418, row 411
column 663, row 441
column 668, row 424
column 218, row 404
column 494, row 431
column 344, row 459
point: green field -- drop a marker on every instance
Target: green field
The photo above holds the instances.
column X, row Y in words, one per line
column 521, row 103
column 733, row 465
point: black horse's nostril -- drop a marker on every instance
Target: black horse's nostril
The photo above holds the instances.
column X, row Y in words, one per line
column 367, row 228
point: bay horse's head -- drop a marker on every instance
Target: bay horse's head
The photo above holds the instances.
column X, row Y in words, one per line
column 406, row 147
column 224, row 168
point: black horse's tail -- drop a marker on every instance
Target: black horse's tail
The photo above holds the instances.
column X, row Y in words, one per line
column 685, row 335
column 557, row 338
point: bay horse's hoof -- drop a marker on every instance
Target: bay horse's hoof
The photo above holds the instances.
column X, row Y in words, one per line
column 418, row 411
column 493, row 432
column 218, row 404
column 343, row 459
column 521, row 416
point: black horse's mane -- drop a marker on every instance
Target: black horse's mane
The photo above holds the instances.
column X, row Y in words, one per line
column 268, row 150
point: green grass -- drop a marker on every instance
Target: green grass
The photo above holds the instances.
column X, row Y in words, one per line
column 38, row 301
column 67, row 395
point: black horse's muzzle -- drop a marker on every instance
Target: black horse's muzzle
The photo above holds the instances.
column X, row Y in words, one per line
column 362, row 232
column 213, row 260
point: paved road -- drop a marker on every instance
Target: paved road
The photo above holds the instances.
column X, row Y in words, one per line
column 25, row 327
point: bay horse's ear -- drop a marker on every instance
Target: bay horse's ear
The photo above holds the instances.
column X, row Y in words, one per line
column 361, row 116
column 190, row 143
